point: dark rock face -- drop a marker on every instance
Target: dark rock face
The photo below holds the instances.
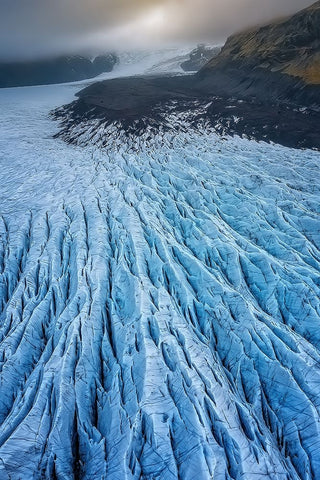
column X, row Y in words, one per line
column 279, row 62
column 104, row 63
column 291, row 46
column 199, row 57
column 57, row 70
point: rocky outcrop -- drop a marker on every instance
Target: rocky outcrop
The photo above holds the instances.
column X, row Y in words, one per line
column 56, row 70
column 278, row 62
column 199, row 57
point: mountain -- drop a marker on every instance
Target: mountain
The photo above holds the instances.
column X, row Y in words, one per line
column 199, row 57
column 280, row 61
column 264, row 84
column 56, row 70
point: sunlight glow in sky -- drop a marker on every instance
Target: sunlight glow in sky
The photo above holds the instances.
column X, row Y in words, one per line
column 49, row 27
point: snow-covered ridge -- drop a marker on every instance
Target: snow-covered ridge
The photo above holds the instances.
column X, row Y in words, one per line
column 159, row 304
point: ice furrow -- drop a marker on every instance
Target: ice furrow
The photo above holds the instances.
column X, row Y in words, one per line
column 160, row 310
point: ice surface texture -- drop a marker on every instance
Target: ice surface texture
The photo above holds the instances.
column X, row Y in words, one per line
column 159, row 306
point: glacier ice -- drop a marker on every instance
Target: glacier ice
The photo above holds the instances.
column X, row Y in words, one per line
column 160, row 313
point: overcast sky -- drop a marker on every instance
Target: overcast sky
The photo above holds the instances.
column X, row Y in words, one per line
column 32, row 28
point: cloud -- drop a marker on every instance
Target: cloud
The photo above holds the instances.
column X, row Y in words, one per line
column 49, row 27
column 39, row 27
column 220, row 18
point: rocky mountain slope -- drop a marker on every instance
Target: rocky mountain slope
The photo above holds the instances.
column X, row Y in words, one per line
column 279, row 61
column 199, row 57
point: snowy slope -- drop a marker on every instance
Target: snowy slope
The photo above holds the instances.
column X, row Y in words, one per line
column 159, row 303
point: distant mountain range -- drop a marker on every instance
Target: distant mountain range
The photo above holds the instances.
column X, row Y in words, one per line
column 56, row 70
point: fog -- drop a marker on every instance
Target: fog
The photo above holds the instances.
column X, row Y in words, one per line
column 38, row 28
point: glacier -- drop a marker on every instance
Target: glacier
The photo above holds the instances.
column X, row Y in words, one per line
column 160, row 313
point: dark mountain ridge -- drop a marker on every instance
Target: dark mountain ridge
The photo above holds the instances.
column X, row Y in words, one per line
column 199, row 57
column 279, row 61
column 55, row 70
column 290, row 46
